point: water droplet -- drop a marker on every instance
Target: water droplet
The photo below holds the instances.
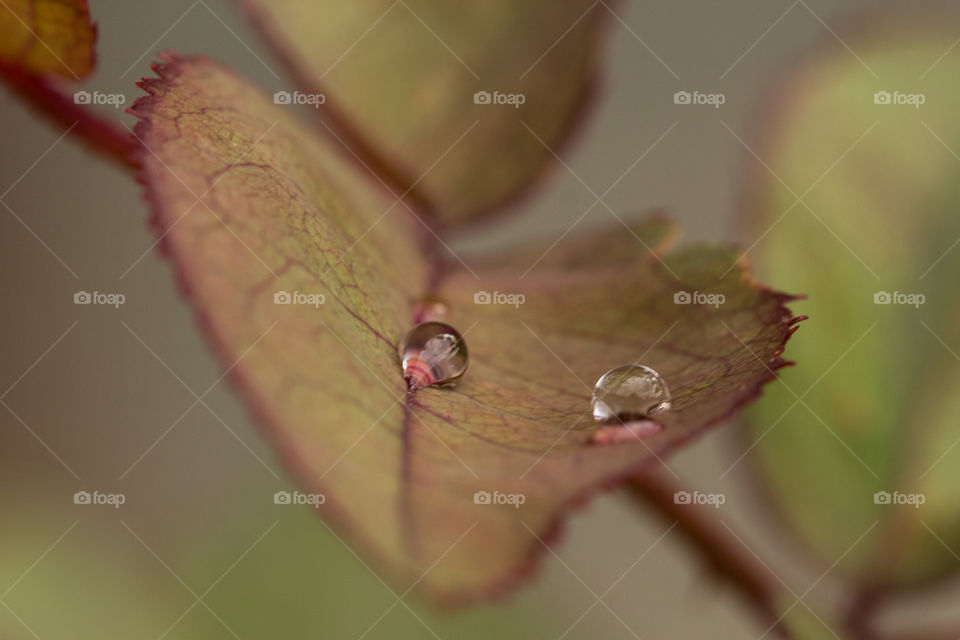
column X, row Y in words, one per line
column 433, row 354
column 624, row 399
column 429, row 309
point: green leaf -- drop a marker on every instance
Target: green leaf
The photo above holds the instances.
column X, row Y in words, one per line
column 47, row 37
column 878, row 409
column 399, row 80
column 248, row 203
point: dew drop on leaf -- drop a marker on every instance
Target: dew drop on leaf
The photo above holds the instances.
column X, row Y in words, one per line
column 433, row 354
column 624, row 398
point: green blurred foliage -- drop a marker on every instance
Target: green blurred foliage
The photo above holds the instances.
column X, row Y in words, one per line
column 872, row 406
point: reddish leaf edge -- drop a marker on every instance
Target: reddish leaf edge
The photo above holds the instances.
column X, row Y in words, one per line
column 398, row 179
column 556, row 530
column 497, row 590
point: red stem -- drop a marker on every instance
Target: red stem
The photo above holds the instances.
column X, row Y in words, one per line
column 716, row 546
column 944, row 633
column 101, row 134
column 858, row 620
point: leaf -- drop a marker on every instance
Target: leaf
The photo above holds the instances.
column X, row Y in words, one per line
column 41, row 43
column 878, row 409
column 47, row 37
column 280, row 210
column 399, row 80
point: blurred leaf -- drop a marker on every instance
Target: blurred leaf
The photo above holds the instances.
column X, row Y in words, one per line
column 879, row 409
column 804, row 623
column 400, row 77
column 47, row 37
column 89, row 580
column 249, row 203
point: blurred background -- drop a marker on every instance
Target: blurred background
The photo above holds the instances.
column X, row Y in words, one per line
column 103, row 398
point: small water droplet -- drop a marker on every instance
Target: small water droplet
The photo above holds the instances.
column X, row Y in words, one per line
column 433, row 354
column 624, row 399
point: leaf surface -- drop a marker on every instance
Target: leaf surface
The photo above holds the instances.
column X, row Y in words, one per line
column 400, row 79
column 877, row 408
column 47, row 37
column 250, row 203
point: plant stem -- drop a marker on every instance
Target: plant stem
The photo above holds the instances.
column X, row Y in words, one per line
column 717, row 546
column 859, row 615
column 930, row 634
column 102, row 134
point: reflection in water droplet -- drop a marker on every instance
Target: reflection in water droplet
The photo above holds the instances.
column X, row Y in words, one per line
column 625, row 432
column 433, row 354
column 429, row 309
column 624, row 399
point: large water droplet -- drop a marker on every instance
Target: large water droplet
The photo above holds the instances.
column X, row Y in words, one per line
column 433, row 354
column 624, row 399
